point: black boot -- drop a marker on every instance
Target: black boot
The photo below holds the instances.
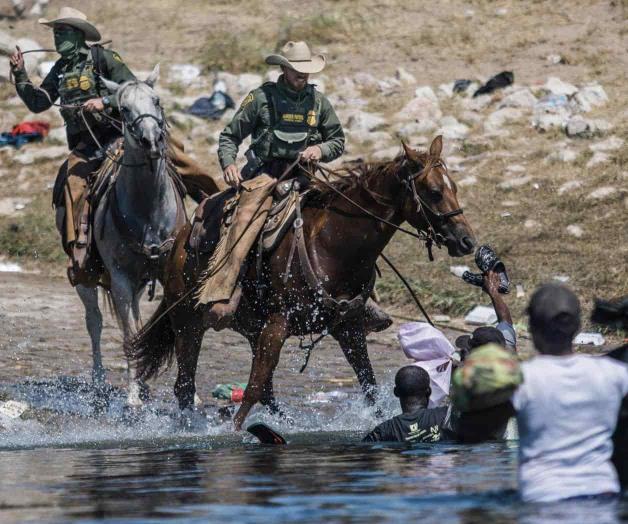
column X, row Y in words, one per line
column 375, row 318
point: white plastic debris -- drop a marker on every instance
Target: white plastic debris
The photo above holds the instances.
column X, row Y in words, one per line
column 481, row 316
column 458, row 270
column 13, row 408
column 561, row 278
column 9, row 267
column 520, row 292
column 441, row 318
column 595, row 339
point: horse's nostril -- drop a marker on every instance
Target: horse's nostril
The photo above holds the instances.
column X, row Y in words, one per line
column 467, row 243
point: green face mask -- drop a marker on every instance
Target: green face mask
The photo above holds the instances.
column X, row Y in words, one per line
column 68, row 42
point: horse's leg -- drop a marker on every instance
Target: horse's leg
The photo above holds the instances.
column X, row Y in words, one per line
column 268, row 396
column 352, row 340
column 123, row 296
column 265, row 360
column 187, row 346
column 144, row 391
column 93, row 321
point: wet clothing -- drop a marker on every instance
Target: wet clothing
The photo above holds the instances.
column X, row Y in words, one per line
column 508, row 330
column 620, row 437
column 567, row 408
column 281, row 123
column 422, row 425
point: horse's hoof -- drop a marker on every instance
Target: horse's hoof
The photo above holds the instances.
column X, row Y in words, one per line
column 226, row 413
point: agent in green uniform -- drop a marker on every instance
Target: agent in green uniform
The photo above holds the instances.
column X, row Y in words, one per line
column 74, row 80
column 87, row 109
column 285, row 119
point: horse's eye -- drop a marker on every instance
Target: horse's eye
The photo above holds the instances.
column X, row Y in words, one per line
column 435, row 195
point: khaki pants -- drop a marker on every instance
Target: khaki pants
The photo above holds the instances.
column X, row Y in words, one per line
column 248, row 220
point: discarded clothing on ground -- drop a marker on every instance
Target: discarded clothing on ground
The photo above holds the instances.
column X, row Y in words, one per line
column 212, row 107
column 503, row 79
column 24, row 133
column 460, row 86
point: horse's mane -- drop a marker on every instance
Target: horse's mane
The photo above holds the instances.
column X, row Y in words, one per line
column 358, row 173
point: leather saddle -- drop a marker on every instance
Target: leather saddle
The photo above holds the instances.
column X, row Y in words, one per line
column 215, row 214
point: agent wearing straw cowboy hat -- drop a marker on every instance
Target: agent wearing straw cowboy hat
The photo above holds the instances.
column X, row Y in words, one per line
column 285, row 119
column 75, row 79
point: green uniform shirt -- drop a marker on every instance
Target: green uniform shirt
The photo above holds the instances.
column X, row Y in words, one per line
column 108, row 64
column 254, row 118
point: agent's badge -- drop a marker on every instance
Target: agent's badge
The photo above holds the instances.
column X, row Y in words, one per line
column 311, row 118
column 71, row 83
column 84, row 83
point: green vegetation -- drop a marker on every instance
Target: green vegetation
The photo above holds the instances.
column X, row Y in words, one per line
column 33, row 235
column 235, row 53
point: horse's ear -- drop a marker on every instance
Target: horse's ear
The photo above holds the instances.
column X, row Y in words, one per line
column 153, row 77
column 437, row 147
column 110, row 84
column 408, row 151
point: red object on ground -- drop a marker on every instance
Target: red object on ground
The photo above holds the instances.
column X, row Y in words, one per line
column 237, row 394
column 27, row 128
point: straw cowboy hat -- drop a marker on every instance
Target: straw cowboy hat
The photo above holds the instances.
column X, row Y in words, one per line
column 76, row 19
column 297, row 56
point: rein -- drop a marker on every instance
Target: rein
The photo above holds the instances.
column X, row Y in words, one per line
column 430, row 236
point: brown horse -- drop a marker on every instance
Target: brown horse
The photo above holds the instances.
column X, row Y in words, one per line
column 342, row 241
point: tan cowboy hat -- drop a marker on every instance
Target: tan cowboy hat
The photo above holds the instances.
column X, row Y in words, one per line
column 76, row 19
column 297, row 56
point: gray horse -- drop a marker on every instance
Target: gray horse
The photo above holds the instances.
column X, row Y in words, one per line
column 135, row 226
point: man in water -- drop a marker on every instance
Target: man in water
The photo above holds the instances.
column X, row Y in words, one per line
column 567, row 407
column 416, row 423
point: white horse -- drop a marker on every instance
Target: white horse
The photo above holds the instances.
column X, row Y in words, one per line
column 135, row 226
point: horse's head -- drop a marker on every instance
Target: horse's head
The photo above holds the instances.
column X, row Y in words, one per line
column 431, row 204
column 142, row 115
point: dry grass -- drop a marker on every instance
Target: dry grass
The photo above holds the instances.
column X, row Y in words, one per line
column 437, row 42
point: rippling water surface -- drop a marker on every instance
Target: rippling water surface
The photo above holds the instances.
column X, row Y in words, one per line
column 306, row 481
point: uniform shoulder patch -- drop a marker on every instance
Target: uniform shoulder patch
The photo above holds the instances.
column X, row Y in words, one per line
column 249, row 98
column 116, row 56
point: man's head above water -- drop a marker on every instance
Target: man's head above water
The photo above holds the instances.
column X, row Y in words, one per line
column 412, row 388
column 554, row 313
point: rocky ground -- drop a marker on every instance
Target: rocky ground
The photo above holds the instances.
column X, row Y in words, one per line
column 540, row 165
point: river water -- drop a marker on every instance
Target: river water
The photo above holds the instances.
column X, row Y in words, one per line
column 80, row 456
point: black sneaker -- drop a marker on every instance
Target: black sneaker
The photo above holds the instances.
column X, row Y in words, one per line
column 487, row 260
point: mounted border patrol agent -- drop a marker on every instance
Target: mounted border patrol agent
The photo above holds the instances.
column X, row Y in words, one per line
column 89, row 111
column 286, row 119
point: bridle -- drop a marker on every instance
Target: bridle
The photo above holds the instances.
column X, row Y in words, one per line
column 423, row 208
column 132, row 127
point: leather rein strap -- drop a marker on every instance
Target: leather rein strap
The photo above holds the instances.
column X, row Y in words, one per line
column 340, row 306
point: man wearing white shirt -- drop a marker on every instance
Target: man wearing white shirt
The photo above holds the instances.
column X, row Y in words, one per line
column 567, row 407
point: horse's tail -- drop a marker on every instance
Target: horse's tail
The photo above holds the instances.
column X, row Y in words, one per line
column 153, row 346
